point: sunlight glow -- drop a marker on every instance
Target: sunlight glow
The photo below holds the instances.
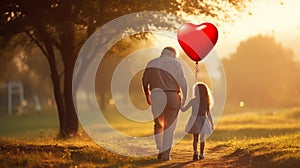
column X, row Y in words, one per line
column 281, row 20
column 111, row 101
column 242, row 104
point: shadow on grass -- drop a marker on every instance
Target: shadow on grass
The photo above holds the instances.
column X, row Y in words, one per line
column 246, row 157
column 36, row 155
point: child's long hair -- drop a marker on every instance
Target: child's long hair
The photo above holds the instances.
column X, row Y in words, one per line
column 206, row 98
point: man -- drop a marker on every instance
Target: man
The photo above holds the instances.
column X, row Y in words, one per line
column 164, row 77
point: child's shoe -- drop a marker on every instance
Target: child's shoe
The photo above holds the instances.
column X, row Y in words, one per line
column 201, row 156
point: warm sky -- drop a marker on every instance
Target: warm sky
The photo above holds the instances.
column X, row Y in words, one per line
column 280, row 18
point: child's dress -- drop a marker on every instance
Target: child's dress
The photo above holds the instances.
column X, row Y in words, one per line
column 197, row 118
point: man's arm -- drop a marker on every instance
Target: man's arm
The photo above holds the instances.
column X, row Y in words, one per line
column 147, row 94
column 183, row 84
column 145, row 86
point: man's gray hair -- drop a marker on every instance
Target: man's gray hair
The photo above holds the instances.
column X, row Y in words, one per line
column 169, row 51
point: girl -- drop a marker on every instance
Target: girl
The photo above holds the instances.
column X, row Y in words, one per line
column 201, row 105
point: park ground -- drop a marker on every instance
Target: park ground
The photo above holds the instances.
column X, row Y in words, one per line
column 244, row 138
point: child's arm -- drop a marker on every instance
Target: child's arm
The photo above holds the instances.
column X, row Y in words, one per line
column 210, row 119
column 183, row 109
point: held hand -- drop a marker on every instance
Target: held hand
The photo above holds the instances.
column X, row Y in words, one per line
column 182, row 103
column 181, row 107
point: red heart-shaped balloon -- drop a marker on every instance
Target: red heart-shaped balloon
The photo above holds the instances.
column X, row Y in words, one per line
column 197, row 40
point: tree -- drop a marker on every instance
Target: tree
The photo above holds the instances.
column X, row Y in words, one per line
column 27, row 66
column 59, row 28
column 261, row 73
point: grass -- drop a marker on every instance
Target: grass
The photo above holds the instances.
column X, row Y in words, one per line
column 29, row 124
column 253, row 124
column 272, row 151
column 250, row 138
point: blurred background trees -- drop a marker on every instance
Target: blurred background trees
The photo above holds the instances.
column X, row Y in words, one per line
column 58, row 28
column 262, row 73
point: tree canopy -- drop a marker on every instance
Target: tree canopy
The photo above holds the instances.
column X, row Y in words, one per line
column 261, row 73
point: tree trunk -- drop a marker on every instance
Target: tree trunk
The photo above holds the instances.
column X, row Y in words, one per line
column 68, row 121
column 71, row 120
column 59, row 98
column 69, row 59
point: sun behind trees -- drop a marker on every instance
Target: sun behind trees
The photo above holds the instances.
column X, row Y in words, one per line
column 262, row 73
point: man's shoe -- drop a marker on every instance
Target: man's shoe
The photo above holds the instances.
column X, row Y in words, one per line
column 159, row 156
column 166, row 158
column 195, row 157
column 166, row 155
column 201, row 156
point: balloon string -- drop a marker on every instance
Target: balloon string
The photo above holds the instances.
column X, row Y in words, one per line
column 197, row 70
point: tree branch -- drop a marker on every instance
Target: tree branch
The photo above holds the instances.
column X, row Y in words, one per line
column 54, row 42
column 37, row 43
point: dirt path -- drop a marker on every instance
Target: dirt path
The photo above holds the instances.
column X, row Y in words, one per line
column 214, row 157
